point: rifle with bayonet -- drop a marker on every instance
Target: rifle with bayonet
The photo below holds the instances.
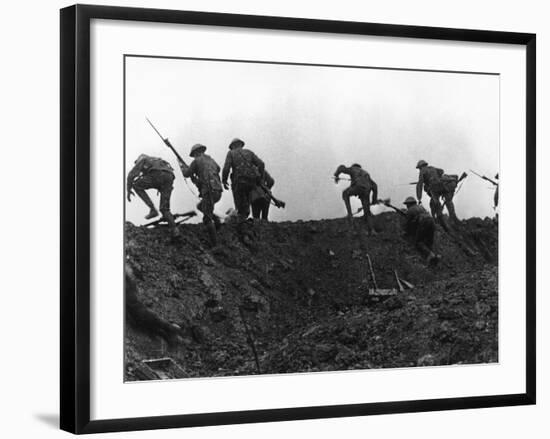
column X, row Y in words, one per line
column 483, row 177
column 181, row 162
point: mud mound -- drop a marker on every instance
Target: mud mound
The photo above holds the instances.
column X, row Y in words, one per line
column 295, row 297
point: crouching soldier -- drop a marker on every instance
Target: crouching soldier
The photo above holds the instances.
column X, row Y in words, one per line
column 153, row 173
column 205, row 174
column 260, row 199
column 437, row 185
column 420, row 226
column 361, row 186
column 247, row 171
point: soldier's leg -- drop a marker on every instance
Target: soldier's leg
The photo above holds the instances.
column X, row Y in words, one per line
column 265, row 210
column 256, row 209
column 450, row 206
column 422, row 242
column 367, row 214
column 166, row 188
column 209, row 219
column 139, row 186
column 346, row 194
column 242, row 199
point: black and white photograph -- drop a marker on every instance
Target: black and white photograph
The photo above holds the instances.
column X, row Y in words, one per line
column 299, row 218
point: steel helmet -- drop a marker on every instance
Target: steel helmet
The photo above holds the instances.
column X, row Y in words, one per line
column 356, row 165
column 409, row 200
column 421, row 163
column 141, row 157
column 196, row 148
column 236, row 142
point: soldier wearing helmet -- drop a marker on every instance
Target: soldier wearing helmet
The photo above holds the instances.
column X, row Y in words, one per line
column 361, row 186
column 437, row 185
column 247, row 172
column 205, row 174
column 152, row 173
column 420, row 226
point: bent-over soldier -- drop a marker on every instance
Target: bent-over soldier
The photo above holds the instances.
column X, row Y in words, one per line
column 437, row 185
column 361, row 186
column 420, row 226
column 205, row 174
column 153, row 173
column 260, row 199
column 246, row 173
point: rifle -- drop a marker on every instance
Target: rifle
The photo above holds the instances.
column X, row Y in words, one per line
column 181, row 162
column 485, row 178
column 278, row 203
column 386, row 202
column 185, row 216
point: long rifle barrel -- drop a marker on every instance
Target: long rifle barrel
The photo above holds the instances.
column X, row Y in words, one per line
column 167, row 143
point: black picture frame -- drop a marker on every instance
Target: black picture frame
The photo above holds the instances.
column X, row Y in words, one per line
column 75, row 217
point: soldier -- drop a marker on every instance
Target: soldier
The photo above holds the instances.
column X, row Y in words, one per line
column 421, row 227
column 260, row 199
column 153, row 173
column 247, row 172
column 361, row 186
column 437, row 185
column 205, row 174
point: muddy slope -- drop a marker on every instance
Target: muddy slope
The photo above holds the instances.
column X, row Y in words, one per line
column 298, row 295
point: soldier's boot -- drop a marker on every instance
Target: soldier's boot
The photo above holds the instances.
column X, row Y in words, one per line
column 167, row 215
column 153, row 212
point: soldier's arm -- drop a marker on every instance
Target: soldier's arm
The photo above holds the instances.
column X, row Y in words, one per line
column 258, row 162
column 341, row 170
column 226, row 167
column 188, row 171
column 268, row 180
column 419, row 187
column 133, row 174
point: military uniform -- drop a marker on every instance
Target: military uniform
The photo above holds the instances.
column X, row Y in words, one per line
column 361, row 186
column 437, row 185
column 260, row 199
column 421, row 227
column 153, row 173
column 246, row 169
column 205, row 173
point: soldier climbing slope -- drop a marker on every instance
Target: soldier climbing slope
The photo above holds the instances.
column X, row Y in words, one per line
column 421, row 227
column 361, row 186
column 260, row 199
column 205, row 174
column 153, row 173
column 247, row 173
column 437, row 185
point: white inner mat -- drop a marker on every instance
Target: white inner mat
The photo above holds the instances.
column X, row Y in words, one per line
column 112, row 398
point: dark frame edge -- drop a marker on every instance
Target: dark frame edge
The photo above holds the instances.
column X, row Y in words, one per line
column 67, row 418
column 75, row 215
column 75, row 218
column 531, row 216
column 304, row 413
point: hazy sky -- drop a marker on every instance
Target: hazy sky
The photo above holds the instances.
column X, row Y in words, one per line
column 304, row 121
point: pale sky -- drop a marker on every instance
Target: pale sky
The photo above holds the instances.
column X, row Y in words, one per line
column 304, row 121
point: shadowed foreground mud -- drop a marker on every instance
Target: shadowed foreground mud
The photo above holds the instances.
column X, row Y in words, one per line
column 302, row 291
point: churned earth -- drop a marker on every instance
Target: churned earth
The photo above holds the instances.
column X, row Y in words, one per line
column 297, row 297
